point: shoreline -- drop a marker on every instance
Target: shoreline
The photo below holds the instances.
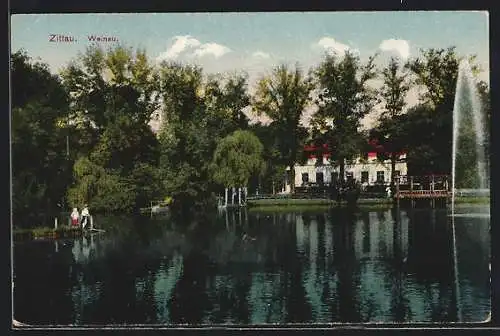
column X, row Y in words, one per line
column 263, row 205
column 48, row 233
column 291, row 204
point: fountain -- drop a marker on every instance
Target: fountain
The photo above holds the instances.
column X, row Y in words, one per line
column 467, row 105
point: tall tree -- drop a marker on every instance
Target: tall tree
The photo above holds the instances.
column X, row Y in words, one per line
column 185, row 140
column 393, row 92
column 114, row 96
column 274, row 170
column 226, row 98
column 40, row 167
column 283, row 97
column 344, row 98
column 110, row 88
column 436, row 72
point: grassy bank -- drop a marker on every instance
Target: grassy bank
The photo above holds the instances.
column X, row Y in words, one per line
column 301, row 205
column 288, row 202
column 473, row 200
column 312, row 202
column 47, row 232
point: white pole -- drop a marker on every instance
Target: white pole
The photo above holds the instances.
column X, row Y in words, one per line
column 239, row 196
column 226, row 194
column 55, row 223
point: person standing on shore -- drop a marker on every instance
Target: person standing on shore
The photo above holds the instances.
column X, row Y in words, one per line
column 75, row 216
column 85, row 216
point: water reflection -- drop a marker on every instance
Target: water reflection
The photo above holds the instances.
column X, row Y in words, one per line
column 246, row 268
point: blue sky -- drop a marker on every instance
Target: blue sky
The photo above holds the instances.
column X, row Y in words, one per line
column 254, row 42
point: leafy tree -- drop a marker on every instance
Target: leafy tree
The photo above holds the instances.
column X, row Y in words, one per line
column 225, row 101
column 114, row 96
column 484, row 94
column 40, row 166
column 436, row 72
column 282, row 97
column 237, row 157
column 274, row 170
column 110, row 88
column 184, row 139
column 344, row 98
column 421, row 155
column 102, row 189
column 389, row 133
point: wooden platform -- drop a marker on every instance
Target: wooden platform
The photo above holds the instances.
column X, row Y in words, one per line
column 423, row 194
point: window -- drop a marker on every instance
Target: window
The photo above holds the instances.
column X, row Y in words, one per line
column 349, row 176
column 380, row 176
column 319, row 178
column 364, row 177
column 305, row 178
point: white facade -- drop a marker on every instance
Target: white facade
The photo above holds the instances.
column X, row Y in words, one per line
column 370, row 171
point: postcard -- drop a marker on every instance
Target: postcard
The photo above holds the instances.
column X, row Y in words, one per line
column 250, row 169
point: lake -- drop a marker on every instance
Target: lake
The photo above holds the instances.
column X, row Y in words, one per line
column 394, row 265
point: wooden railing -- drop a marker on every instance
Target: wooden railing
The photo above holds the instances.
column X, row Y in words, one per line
column 423, row 194
column 432, row 186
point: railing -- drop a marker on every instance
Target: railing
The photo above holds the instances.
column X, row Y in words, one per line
column 423, row 193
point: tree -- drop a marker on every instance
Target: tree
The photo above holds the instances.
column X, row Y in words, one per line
column 389, row 131
column 436, row 72
column 114, row 96
column 344, row 98
column 226, row 97
column 237, row 157
column 103, row 189
column 485, row 98
column 184, row 138
column 109, row 89
column 273, row 173
column 282, row 97
column 40, row 166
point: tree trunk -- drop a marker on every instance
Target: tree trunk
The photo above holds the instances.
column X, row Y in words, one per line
column 342, row 171
column 292, row 178
column 393, row 170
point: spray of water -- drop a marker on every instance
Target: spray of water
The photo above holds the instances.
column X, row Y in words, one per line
column 466, row 85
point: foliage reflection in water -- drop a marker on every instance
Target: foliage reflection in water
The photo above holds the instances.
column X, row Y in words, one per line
column 242, row 268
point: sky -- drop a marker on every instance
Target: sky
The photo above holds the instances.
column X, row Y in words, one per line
column 255, row 42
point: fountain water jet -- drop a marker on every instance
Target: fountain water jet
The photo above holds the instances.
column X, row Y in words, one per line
column 466, row 89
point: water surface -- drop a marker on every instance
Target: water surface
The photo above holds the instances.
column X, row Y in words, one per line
column 260, row 268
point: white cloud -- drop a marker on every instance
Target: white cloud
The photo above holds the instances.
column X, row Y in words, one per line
column 187, row 43
column 181, row 43
column 400, row 46
column 214, row 49
column 333, row 46
column 261, row 54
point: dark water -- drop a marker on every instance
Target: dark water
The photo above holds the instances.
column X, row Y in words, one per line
column 336, row 266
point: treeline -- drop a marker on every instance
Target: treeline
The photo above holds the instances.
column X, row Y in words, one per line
column 83, row 136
